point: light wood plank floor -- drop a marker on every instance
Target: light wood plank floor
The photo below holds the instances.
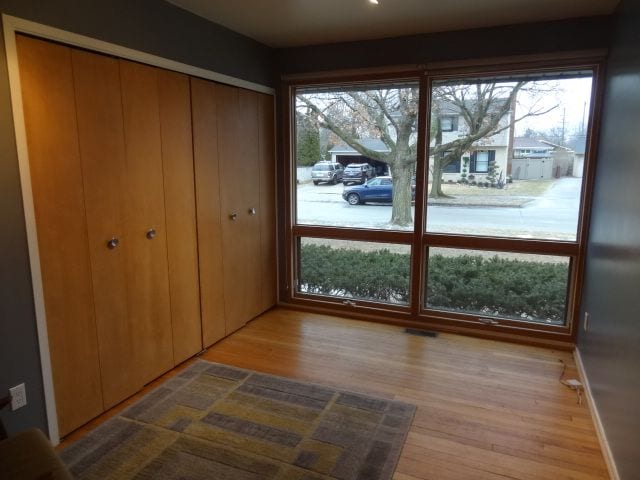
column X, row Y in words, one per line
column 486, row 409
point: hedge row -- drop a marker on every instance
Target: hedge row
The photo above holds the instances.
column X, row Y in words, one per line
column 488, row 285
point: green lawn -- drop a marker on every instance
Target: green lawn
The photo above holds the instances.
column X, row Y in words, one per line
column 521, row 188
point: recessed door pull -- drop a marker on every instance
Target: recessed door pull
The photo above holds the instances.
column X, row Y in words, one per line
column 113, row 243
column 233, row 216
column 151, row 233
column 252, row 211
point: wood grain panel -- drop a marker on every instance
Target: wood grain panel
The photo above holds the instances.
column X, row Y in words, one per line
column 180, row 209
column 237, row 140
column 248, row 174
column 268, row 261
column 101, row 136
column 56, row 178
column 207, row 179
column 147, row 267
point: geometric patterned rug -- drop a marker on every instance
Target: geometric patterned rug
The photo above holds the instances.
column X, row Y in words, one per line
column 214, row 421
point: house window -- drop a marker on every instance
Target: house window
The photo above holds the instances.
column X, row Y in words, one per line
column 453, row 166
column 356, row 248
column 480, row 160
column 449, row 123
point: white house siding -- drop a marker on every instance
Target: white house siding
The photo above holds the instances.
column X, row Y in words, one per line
column 499, row 143
column 501, row 164
column 578, row 165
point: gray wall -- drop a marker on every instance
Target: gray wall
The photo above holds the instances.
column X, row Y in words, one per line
column 19, row 357
column 152, row 26
column 534, row 38
column 611, row 347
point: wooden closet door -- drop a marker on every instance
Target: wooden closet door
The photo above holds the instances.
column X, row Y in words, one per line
column 205, row 156
column 147, row 268
column 249, row 165
column 239, row 195
column 180, row 207
column 56, row 180
column 101, row 137
column 268, row 262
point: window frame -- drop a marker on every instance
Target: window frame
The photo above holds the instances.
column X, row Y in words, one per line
column 416, row 314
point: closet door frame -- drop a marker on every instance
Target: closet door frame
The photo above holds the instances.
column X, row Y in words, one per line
column 11, row 27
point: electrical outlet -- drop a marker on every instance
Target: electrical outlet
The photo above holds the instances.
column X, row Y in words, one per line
column 585, row 324
column 18, row 396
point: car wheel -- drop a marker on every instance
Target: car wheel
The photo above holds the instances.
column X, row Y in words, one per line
column 334, row 180
column 353, row 199
column 315, row 182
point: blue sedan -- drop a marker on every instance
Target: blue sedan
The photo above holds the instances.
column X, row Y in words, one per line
column 377, row 189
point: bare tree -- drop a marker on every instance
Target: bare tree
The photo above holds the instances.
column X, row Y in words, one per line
column 485, row 109
column 388, row 114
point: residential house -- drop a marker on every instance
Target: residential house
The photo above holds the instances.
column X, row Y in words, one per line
column 532, row 159
column 493, row 148
column 344, row 154
column 578, row 145
column 475, row 419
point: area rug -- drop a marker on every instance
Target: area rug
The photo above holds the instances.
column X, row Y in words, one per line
column 218, row 422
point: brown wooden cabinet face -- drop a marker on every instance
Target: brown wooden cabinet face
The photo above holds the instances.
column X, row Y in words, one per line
column 102, row 148
column 207, row 179
column 268, row 259
column 239, row 197
column 154, row 196
column 147, row 268
column 180, row 213
column 58, row 194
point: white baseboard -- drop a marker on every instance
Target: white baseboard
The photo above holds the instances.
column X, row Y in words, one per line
column 602, row 437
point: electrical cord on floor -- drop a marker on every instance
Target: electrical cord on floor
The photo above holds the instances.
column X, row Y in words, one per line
column 571, row 383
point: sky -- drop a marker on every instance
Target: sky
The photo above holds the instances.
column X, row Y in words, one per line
column 571, row 97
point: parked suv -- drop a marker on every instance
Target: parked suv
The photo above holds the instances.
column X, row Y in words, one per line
column 326, row 172
column 358, row 173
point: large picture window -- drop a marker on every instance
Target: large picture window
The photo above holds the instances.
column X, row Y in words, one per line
column 360, row 134
column 466, row 207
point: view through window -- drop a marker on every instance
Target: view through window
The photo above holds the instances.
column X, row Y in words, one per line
column 513, row 164
column 503, row 181
column 344, row 139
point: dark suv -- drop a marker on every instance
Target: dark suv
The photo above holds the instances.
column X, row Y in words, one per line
column 358, row 173
column 326, row 172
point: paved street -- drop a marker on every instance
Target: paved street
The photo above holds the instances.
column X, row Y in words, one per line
column 553, row 215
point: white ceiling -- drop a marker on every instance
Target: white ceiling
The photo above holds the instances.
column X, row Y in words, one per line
column 289, row 23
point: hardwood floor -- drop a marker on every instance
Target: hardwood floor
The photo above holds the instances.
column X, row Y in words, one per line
column 486, row 409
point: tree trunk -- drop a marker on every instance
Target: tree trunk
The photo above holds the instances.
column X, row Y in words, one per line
column 401, row 209
column 436, row 181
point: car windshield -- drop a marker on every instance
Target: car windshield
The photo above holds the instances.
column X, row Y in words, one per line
column 322, row 168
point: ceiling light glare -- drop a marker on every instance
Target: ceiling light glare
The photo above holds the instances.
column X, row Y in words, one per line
column 375, row 2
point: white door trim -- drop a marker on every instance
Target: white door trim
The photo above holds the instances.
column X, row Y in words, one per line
column 12, row 25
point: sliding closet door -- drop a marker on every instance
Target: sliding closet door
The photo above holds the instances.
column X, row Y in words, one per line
column 239, row 200
column 268, row 261
column 102, row 149
column 180, row 206
column 205, row 155
column 147, row 269
column 245, row 171
column 56, row 180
